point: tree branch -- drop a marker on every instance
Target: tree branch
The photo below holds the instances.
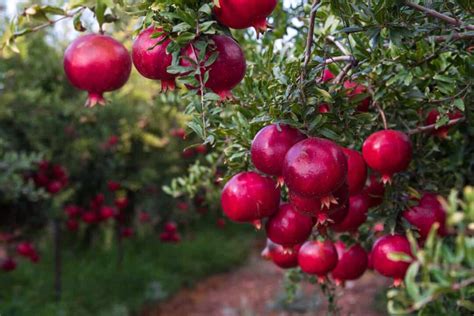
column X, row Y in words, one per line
column 343, row 73
column 309, row 39
column 438, row 15
column 455, row 37
column 339, row 45
column 378, row 107
column 335, row 59
column 432, row 127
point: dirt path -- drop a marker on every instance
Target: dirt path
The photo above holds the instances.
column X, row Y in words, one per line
column 257, row 289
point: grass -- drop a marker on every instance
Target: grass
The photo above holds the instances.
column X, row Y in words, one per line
column 93, row 284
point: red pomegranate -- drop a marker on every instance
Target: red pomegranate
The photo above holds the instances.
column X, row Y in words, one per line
column 381, row 249
column 107, row 212
column 113, row 185
column 356, row 170
column 72, row 225
column 8, row 264
column 249, row 197
column 375, row 190
column 387, row 152
column 315, row 167
column 287, row 227
column 317, row 257
column 442, row 131
column 72, row 210
column 26, row 249
column 151, row 58
column 323, row 108
column 327, row 75
column 171, row 227
column 97, row 64
column 356, row 216
column 282, row 256
column 352, row 262
column 121, row 202
column 316, row 207
column 425, row 214
column 270, row 146
column 241, row 14
column 90, row 217
column 355, row 89
column 227, row 71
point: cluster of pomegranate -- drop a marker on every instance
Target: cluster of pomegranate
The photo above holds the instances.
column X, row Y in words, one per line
column 23, row 249
column 52, row 177
column 98, row 63
column 328, row 189
column 170, row 233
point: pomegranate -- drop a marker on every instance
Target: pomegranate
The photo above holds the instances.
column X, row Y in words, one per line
column 356, row 216
column 249, row 197
column 423, row 216
column 315, row 206
column 317, row 257
column 356, row 170
column 375, row 191
column 327, row 75
column 8, row 264
column 97, row 64
column 442, row 131
column 288, row 227
column 90, row 217
column 323, row 108
column 72, row 225
column 241, row 14
column 113, row 185
column 381, row 249
column 315, row 167
column 355, row 89
column 282, row 256
column 270, row 146
column 352, row 262
column 151, row 58
column 72, row 210
column 25, row 249
column 107, row 212
column 171, row 227
column 387, row 152
column 121, row 202
column 227, row 71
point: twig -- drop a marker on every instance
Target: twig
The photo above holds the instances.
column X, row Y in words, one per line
column 343, row 73
column 339, row 58
column 439, row 15
column 432, row 127
column 309, row 39
column 378, row 107
column 339, row 45
column 454, row 37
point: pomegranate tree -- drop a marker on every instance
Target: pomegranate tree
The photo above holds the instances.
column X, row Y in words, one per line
column 97, row 64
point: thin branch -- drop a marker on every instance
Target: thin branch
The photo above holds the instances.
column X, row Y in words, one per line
column 378, row 107
column 439, row 15
column 339, row 45
column 432, row 127
column 336, row 59
column 309, row 39
column 343, row 73
column 454, row 37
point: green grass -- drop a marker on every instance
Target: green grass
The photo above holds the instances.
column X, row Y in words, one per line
column 94, row 285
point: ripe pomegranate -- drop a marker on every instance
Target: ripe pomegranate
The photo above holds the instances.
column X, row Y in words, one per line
column 353, row 90
column 383, row 264
column 188, row 153
column 356, row 170
column 201, row 149
column 54, row 187
column 97, row 201
column 227, row 71
column 356, row 216
column 270, row 146
column 315, row 167
column 249, row 197
column 107, row 212
column 113, row 185
column 25, row 249
column 317, row 257
column 352, row 262
column 375, row 190
column 97, row 64
column 72, row 210
column 425, row 214
column 283, row 257
column 323, row 108
column 442, row 131
column 288, row 227
column 241, row 14
column 151, row 58
column 316, row 207
column 90, row 217
column 178, row 133
column 8, row 264
column 387, row 152
column 327, row 75
column 171, row 227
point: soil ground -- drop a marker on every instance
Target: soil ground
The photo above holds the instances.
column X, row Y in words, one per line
column 256, row 289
